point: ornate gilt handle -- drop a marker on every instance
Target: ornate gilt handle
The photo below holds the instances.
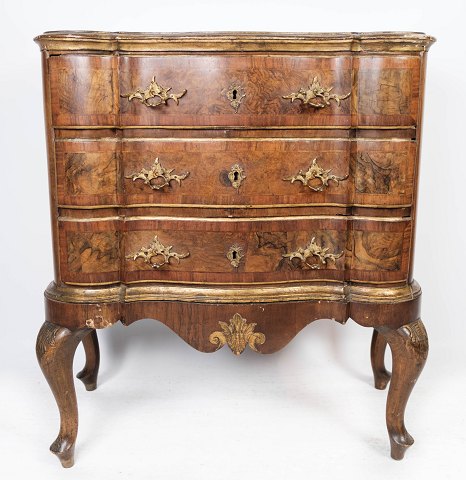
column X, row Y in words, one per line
column 151, row 177
column 315, row 172
column 152, row 91
column 313, row 251
column 156, row 249
column 316, row 95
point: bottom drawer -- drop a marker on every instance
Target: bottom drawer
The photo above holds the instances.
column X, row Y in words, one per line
column 236, row 251
column 264, row 250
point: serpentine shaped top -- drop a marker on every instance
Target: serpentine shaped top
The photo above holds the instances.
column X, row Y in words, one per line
column 387, row 42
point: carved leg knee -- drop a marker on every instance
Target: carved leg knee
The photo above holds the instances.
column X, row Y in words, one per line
column 409, row 345
column 55, row 350
column 381, row 375
column 88, row 375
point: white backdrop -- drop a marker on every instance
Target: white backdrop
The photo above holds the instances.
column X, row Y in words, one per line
column 163, row 410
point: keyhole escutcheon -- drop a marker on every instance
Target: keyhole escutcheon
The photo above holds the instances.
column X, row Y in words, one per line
column 234, row 255
column 236, row 176
column 235, row 94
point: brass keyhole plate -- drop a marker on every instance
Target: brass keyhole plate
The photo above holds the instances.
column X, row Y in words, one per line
column 234, row 255
column 235, row 94
column 236, row 176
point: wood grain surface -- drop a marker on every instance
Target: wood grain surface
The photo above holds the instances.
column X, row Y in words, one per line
column 373, row 249
column 84, row 90
column 374, row 172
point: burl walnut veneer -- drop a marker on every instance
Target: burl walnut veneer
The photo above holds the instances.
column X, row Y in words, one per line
column 236, row 187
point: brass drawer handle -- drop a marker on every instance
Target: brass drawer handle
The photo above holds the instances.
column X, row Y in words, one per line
column 316, row 95
column 237, row 334
column 315, row 172
column 156, row 249
column 152, row 91
column 157, row 171
column 313, row 251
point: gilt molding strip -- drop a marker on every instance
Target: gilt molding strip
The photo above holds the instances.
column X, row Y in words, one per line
column 234, row 127
column 235, row 294
column 230, row 220
column 152, row 43
column 230, row 284
column 245, row 207
column 221, row 139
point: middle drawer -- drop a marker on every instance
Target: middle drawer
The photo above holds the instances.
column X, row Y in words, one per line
column 236, row 172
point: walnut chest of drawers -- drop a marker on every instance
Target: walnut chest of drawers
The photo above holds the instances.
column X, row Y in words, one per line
column 235, row 187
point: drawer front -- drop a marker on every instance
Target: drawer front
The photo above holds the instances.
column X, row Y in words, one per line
column 387, row 90
column 234, row 90
column 382, row 172
column 87, row 173
column 89, row 252
column 235, row 172
column 241, row 90
column 84, row 89
column 260, row 247
column 236, row 251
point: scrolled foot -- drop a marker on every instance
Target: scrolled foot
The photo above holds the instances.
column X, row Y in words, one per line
column 410, row 346
column 382, row 380
column 88, row 375
column 381, row 375
column 64, row 450
column 399, row 443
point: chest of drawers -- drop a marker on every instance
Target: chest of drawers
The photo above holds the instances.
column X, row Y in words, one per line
column 235, row 187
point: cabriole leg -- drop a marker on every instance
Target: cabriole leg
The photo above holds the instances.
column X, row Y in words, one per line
column 409, row 346
column 55, row 350
column 381, row 375
column 88, row 375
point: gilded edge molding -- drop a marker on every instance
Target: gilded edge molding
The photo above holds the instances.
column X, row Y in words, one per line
column 150, row 43
column 234, row 294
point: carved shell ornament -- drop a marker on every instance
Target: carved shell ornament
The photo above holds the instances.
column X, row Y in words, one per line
column 237, row 334
column 316, row 95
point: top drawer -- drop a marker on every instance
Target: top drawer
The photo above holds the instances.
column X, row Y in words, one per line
column 234, row 90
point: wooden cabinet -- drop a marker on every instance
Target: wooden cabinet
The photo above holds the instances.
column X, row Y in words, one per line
column 194, row 177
